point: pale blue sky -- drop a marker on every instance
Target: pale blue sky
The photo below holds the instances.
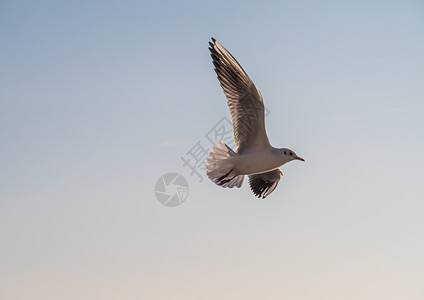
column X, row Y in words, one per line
column 99, row 99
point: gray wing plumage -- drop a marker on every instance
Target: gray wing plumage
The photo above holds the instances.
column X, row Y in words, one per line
column 244, row 100
column 264, row 184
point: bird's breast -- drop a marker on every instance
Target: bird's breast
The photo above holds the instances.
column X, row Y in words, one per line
column 256, row 162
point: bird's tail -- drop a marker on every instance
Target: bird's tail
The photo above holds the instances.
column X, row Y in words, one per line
column 220, row 167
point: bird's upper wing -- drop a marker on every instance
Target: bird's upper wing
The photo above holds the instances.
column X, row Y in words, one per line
column 264, row 184
column 244, row 100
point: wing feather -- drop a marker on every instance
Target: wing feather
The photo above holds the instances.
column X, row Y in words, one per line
column 264, row 184
column 244, row 100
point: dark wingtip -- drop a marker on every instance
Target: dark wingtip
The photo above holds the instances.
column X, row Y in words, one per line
column 213, row 39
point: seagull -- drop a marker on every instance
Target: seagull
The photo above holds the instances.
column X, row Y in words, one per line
column 254, row 157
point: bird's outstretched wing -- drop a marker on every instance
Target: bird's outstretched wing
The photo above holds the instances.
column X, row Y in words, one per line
column 264, row 184
column 244, row 100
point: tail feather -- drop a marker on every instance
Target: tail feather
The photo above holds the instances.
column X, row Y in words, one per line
column 220, row 167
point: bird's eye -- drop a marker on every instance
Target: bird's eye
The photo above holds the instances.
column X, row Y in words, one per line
column 291, row 153
column 285, row 153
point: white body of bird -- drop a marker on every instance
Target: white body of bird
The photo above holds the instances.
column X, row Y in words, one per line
column 258, row 162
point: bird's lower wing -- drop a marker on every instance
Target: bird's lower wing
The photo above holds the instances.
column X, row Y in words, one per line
column 263, row 184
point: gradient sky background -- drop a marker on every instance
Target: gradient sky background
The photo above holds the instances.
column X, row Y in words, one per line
column 98, row 99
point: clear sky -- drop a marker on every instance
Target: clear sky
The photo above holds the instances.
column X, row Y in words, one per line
column 99, row 99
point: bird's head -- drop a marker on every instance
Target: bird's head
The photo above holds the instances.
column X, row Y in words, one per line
column 289, row 155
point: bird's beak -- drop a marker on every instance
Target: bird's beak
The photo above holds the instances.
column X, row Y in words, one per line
column 299, row 158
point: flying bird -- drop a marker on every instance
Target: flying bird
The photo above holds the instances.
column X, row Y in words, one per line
column 254, row 157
